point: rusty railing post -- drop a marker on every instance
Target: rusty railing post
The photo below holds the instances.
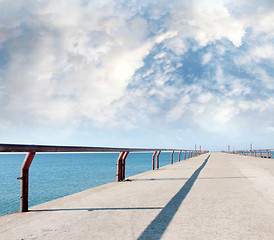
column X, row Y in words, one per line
column 267, row 153
column 119, row 167
column 153, row 160
column 157, row 160
column 123, row 175
column 179, row 157
column 24, row 198
column 188, row 154
column 185, row 155
column 171, row 157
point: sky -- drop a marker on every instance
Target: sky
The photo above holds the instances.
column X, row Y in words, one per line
column 137, row 73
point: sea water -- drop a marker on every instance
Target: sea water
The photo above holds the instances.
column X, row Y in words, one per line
column 52, row 176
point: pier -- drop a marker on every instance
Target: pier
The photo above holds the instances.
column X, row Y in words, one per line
column 210, row 196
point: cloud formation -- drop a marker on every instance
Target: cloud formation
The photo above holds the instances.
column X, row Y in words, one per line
column 197, row 67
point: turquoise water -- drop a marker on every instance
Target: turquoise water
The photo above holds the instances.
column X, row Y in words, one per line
column 56, row 175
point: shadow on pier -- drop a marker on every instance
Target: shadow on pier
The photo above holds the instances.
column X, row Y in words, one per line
column 158, row 226
column 94, row 209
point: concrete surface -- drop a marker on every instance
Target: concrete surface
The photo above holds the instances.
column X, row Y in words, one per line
column 221, row 197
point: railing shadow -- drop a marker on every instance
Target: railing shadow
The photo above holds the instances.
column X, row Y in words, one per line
column 94, row 209
column 157, row 227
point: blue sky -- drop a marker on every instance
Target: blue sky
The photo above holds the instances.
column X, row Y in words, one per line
column 163, row 73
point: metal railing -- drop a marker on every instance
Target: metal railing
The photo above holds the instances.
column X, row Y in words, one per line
column 262, row 153
column 31, row 150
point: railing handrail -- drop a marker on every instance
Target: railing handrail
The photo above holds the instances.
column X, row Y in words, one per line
column 57, row 148
column 31, row 150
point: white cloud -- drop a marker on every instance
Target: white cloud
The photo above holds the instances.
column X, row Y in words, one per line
column 266, row 51
column 165, row 36
column 224, row 112
column 204, row 97
column 160, row 55
column 176, row 112
column 206, row 24
column 71, row 58
column 251, row 14
column 206, row 58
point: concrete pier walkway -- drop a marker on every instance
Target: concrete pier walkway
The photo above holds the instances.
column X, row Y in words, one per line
column 212, row 196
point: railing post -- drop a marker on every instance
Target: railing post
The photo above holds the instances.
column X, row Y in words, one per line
column 153, row 160
column 267, row 153
column 171, row 157
column 24, row 198
column 260, row 153
column 124, row 165
column 188, row 154
column 185, row 155
column 157, row 159
column 119, row 167
column 179, row 157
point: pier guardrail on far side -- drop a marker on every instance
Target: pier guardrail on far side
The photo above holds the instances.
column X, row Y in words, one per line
column 31, row 150
column 262, row 153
